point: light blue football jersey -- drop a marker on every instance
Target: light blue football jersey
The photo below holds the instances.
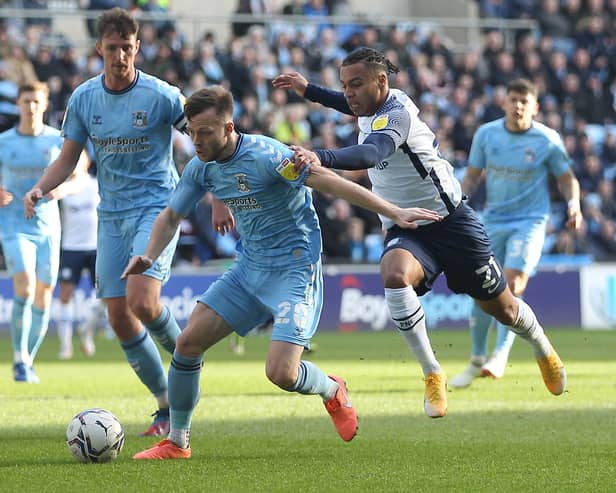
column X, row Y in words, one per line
column 273, row 210
column 517, row 167
column 23, row 159
column 131, row 132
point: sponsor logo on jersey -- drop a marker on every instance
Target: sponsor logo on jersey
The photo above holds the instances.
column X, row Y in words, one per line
column 380, row 122
column 242, row 183
column 239, row 204
column 140, row 119
column 121, row 145
column 286, row 170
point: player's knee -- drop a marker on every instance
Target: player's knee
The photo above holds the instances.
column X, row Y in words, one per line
column 507, row 313
column 517, row 286
column 280, row 376
column 394, row 279
column 143, row 308
column 187, row 345
column 123, row 325
column 23, row 291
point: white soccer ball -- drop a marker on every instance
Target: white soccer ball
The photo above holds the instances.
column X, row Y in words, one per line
column 95, row 435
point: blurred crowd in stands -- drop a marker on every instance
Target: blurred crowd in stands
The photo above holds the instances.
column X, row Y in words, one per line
column 571, row 56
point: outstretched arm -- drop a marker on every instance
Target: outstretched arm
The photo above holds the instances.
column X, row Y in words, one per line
column 164, row 229
column 376, row 148
column 327, row 181
column 297, row 82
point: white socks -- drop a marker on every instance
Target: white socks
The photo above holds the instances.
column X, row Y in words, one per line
column 180, row 437
column 409, row 317
column 528, row 328
column 65, row 324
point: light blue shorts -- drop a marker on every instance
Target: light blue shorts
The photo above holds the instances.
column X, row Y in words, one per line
column 517, row 245
column 118, row 241
column 37, row 254
column 245, row 297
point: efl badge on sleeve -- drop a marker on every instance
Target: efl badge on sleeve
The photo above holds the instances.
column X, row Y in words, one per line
column 286, row 170
column 380, row 122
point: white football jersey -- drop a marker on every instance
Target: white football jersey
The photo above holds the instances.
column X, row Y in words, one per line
column 415, row 175
column 79, row 217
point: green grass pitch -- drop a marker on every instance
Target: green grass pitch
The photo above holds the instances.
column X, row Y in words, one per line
column 508, row 435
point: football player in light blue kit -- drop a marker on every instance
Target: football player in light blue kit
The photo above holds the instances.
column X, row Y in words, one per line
column 516, row 155
column 128, row 115
column 278, row 271
column 31, row 247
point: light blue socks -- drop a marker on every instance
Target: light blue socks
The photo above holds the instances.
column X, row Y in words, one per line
column 143, row 356
column 38, row 330
column 312, row 380
column 184, row 378
column 165, row 329
column 21, row 321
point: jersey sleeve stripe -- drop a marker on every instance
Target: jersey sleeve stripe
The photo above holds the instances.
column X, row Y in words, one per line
column 181, row 124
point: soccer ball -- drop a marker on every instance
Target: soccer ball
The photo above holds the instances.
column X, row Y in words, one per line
column 95, row 435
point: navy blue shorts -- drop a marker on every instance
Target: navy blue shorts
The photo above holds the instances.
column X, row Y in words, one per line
column 459, row 247
column 73, row 262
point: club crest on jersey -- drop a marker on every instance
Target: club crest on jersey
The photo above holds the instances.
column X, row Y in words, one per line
column 380, row 122
column 286, row 170
column 97, row 120
column 140, row 119
column 242, row 183
column 529, row 156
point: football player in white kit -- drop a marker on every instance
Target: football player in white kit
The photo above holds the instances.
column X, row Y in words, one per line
column 405, row 167
column 79, row 226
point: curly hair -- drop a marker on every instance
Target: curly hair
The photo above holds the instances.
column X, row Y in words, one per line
column 116, row 20
column 373, row 59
